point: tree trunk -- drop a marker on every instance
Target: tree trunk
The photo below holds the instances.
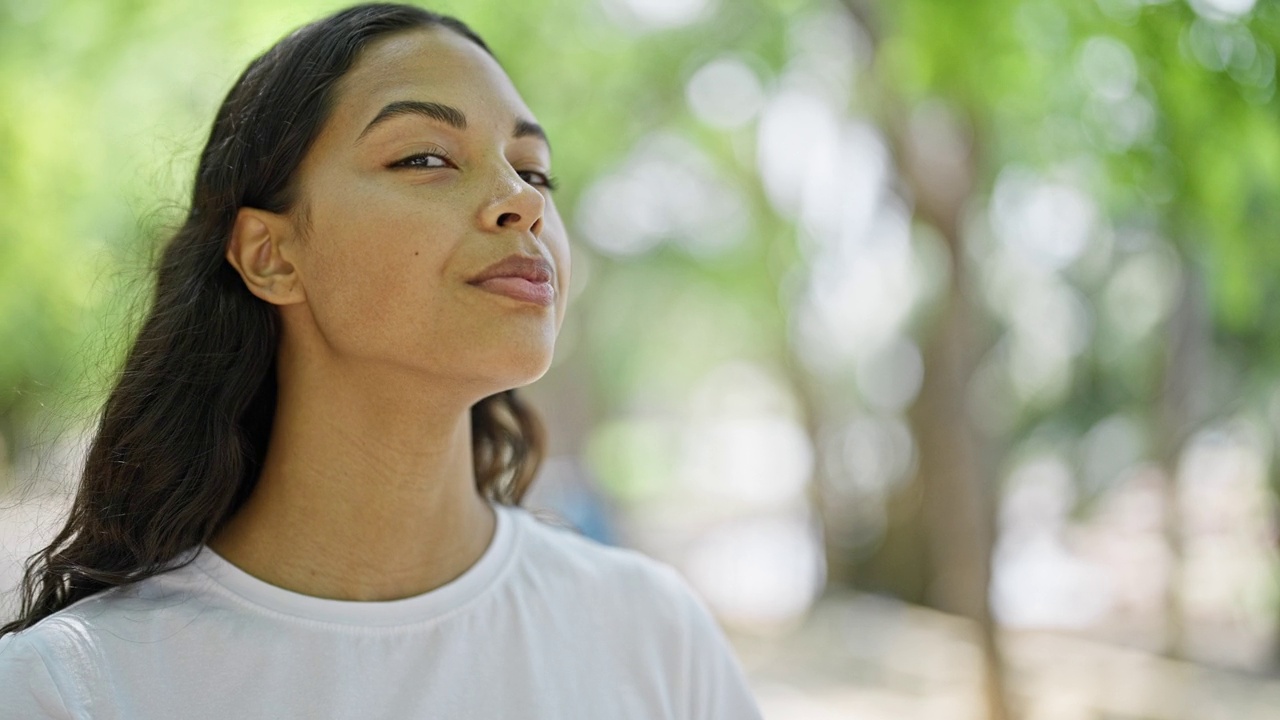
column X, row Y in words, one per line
column 936, row 154
column 958, row 502
column 1178, row 409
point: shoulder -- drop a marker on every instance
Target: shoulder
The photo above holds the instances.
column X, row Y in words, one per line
column 33, row 681
column 53, row 664
column 659, row 611
column 556, row 549
column 650, row 594
column 54, row 668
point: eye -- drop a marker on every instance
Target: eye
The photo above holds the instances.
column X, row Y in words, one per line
column 425, row 160
column 539, row 178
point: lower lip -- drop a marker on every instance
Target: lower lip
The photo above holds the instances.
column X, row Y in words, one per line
column 520, row 289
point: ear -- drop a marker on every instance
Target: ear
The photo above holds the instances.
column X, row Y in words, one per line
column 259, row 251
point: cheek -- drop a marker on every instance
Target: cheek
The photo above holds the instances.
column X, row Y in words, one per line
column 557, row 241
column 373, row 260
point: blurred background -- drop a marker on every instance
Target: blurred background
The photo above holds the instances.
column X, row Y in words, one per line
column 936, row 343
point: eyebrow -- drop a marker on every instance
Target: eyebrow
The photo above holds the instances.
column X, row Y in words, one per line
column 448, row 115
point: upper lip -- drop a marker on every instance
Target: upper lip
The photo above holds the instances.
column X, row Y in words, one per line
column 533, row 268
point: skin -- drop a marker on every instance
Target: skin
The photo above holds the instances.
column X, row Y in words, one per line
column 367, row 491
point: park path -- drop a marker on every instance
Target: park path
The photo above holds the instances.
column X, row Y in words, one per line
column 863, row 657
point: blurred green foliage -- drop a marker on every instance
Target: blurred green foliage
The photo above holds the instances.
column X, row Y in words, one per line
column 104, row 106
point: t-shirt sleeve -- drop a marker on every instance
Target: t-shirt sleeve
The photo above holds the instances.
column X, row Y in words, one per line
column 26, row 685
column 717, row 687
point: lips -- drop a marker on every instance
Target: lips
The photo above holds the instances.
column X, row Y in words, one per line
column 533, row 268
column 520, row 277
column 520, row 289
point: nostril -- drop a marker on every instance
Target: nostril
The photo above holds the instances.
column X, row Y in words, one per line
column 537, row 227
column 504, row 218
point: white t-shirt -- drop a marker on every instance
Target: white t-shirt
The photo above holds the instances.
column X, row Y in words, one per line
column 547, row 624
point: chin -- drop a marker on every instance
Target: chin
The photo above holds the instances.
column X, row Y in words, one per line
column 518, row 368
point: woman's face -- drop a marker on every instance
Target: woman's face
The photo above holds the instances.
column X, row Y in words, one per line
column 405, row 207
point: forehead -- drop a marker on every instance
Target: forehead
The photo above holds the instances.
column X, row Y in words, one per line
column 433, row 64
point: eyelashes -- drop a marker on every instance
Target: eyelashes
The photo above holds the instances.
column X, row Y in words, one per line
column 421, row 160
column 411, row 161
column 548, row 181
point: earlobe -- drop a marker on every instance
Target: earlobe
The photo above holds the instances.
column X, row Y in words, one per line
column 255, row 251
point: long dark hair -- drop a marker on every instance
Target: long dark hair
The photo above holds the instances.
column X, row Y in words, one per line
column 184, row 431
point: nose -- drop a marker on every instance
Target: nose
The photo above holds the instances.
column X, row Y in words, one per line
column 515, row 204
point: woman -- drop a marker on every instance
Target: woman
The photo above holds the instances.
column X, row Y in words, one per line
column 303, row 496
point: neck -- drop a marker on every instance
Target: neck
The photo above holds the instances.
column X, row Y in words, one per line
column 365, row 493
